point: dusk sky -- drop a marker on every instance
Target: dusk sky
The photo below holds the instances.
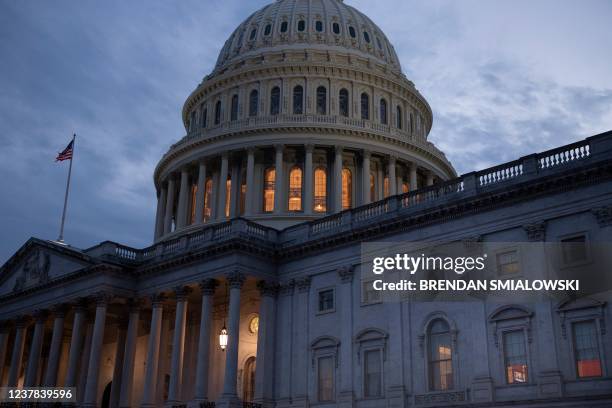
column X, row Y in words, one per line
column 504, row 79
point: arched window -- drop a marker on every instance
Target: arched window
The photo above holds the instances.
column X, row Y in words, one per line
column 228, row 196
column 399, row 117
column 366, row 37
column 284, row 26
column 347, row 189
column 204, row 118
column 268, row 30
column 208, row 199
column 301, row 25
column 218, row 112
column 275, row 101
column 321, row 100
column 336, row 28
column 298, row 100
column 295, row 189
column 269, row 186
column 319, row 26
column 253, row 102
column 372, row 187
column 352, row 32
column 343, row 102
column 365, row 106
column 320, row 190
column 440, row 356
column 253, row 34
column 383, row 112
column 234, row 108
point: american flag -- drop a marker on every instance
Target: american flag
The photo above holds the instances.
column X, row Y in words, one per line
column 66, row 154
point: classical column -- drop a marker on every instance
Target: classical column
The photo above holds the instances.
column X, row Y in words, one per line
column 40, row 317
column 18, row 345
column 222, row 189
column 163, row 365
column 279, row 181
column 150, row 380
column 178, row 346
column 127, row 377
column 161, row 210
column 76, row 341
column 413, row 177
column 169, row 206
column 84, row 363
column 365, row 178
column 59, row 313
column 4, row 335
column 118, row 367
column 338, row 179
column 201, row 191
column 308, row 180
column 181, row 216
column 430, row 178
column 97, row 340
column 264, row 374
column 250, row 182
column 392, row 178
column 235, row 190
column 235, row 282
column 208, row 290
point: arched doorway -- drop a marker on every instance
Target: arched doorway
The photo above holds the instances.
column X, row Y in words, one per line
column 248, row 380
column 106, row 395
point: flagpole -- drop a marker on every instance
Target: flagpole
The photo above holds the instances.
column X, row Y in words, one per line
column 61, row 234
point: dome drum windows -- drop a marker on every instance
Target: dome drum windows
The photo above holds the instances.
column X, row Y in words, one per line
column 253, row 103
column 267, row 30
column 320, row 190
column 319, row 26
column 352, row 32
column 295, row 189
column 336, row 28
column 218, row 113
column 234, row 108
column 298, row 100
column 284, row 27
column 343, row 103
column 253, row 34
column 383, row 112
column 321, row 100
column 301, row 25
column 275, row 101
column 269, row 188
column 399, row 117
column 365, row 106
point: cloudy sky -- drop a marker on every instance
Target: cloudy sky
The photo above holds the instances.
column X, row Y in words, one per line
column 504, row 79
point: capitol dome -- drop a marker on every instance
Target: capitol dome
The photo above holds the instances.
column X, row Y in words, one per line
column 306, row 114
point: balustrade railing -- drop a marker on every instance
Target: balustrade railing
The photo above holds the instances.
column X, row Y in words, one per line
column 564, row 155
column 499, row 173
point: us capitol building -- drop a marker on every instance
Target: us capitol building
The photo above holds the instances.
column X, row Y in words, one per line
column 305, row 141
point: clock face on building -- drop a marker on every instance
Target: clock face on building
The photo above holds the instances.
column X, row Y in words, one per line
column 254, row 324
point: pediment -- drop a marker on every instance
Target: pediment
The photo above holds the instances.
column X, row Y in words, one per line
column 37, row 263
column 580, row 303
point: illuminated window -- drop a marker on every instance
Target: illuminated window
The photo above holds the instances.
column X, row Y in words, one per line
column 372, row 187
column 386, row 187
column 269, row 186
column 383, row 112
column 515, row 357
column 243, row 190
column 207, row 200
column 440, row 357
column 320, row 190
column 343, row 102
column 228, row 196
column 365, row 106
column 586, row 350
column 295, row 189
column 234, row 108
column 275, row 101
column 405, row 187
column 321, row 100
column 253, row 102
column 347, row 189
column 298, row 100
column 192, row 213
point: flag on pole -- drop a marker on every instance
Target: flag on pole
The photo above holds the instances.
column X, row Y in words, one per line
column 66, row 154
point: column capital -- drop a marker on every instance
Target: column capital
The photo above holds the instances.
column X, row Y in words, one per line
column 59, row 311
column 40, row 315
column 392, row 159
column 251, row 150
column 339, row 149
column 5, row 327
column 309, row 148
column 80, row 305
column 181, row 293
column 346, row 273
column 225, row 155
column 366, row 154
column 22, row 321
column 157, row 299
column 102, row 298
column 235, row 279
column 134, row 305
column 208, row 286
column 303, row 284
column 279, row 147
column 603, row 215
column 268, row 289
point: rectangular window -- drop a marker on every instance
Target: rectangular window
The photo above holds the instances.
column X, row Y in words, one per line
column 372, row 374
column 326, row 379
column 515, row 357
column 326, row 300
column 507, row 263
column 368, row 294
column 574, row 249
column 586, row 346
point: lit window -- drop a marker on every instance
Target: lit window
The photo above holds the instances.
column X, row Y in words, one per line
column 275, row 101
column 218, row 112
column 343, row 100
column 383, row 112
column 321, row 100
column 347, row 189
column 253, row 102
column 228, row 198
column 243, row 190
column 507, row 263
column 440, row 357
column 192, row 213
column 319, row 26
column 336, row 28
column 301, row 25
column 295, row 189
column 515, row 357
column 586, row 350
column 320, row 190
column 399, row 118
column 372, row 373
column 326, row 300
column 352, row 32
column 298, row 100
column 386, row 187
column 405, row 187
column 574, row 249
column 325, row 374
column 372, row 187
column 365, row 106
column 284, row 26
column 234, row 109
column 207, row 200
column 269, row 186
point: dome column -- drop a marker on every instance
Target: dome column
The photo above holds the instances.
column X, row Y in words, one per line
column 365, row 177
column 392, row 176
column 181, row 217
column 338, row 179
column 199, row 213
column 308, row 180
column 222, row 190
column 430, row 179
column 161, row 209
column 279, row 181
column 169, row 206
column 413, row 177
column 250, row 182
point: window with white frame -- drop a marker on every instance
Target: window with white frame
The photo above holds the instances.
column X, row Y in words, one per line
column 440, row 356
column 515, row 357
column 324, row 363
column 586, row 349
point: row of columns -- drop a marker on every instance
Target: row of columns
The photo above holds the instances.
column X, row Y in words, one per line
column 166, row 211
column 86, row 348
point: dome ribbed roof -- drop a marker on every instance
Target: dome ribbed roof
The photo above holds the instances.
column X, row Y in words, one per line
column 295, row 24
